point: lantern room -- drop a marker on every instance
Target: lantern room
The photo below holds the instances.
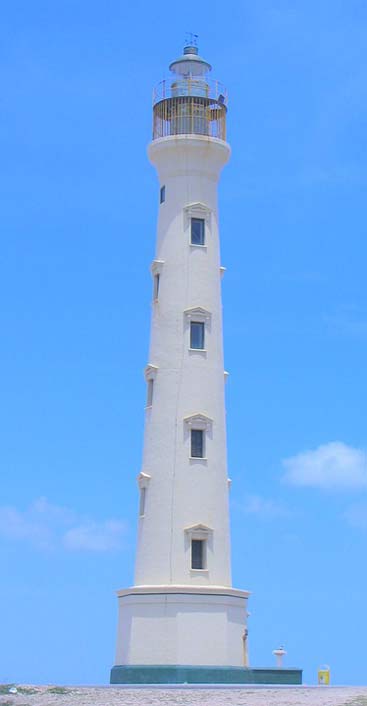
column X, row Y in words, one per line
column 189, row 102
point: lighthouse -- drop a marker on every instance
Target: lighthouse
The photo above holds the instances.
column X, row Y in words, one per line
column 182, row 621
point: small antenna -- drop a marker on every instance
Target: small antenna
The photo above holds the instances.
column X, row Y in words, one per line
column 191, row 39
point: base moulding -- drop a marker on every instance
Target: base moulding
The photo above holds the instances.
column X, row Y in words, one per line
column 177, row 674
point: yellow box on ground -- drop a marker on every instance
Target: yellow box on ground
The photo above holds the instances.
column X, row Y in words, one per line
column 323, row 674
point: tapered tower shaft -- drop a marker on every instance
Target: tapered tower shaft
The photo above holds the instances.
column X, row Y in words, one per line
column 187, row 486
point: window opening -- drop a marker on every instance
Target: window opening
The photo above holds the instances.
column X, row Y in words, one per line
column 143, row 492
column 197, row 231
column 198, row 553
column 156, row 286
column 197, row 335
column 162, row 194
column 150, row 393
column 197, row 443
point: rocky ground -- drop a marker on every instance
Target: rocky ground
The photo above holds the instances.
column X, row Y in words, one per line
column 112, row 696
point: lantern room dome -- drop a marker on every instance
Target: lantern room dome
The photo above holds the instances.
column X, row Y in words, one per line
column 190, row 63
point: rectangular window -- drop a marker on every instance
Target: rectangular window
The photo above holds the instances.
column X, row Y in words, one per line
column 162, row 194
column 197, row 334
column 197, row 443
column 156, row 286
column 197, row 231
column 198, row 553
column 142, row 501
column 150, row 393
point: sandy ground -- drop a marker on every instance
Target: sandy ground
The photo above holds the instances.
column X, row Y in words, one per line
column 250, row 696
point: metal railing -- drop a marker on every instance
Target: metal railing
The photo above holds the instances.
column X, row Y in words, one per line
column 189, row 116
column 189, row 106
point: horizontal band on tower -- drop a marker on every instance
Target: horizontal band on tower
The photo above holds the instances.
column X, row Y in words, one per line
column 187, row 674
column 183, row 590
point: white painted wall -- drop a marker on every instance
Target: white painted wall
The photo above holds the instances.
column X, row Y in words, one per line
column 182, row 628
column 174, row 615
column 184, row 492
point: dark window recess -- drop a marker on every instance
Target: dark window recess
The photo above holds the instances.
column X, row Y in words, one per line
column 197, row 443
column 162, row 194
column 197, row 554
column 142, row 501
column 156, row 286
column 197, row 335
column 150, row 393
column 197, row 231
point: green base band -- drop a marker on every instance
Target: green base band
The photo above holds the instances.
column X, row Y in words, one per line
column 175, row 674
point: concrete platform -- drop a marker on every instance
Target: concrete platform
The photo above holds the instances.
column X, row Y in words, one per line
column 177, row 674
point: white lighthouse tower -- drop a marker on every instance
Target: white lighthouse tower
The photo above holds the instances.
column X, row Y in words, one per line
column 182, row 620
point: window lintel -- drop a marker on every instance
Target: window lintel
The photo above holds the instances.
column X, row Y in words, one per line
column 199, row 531
column 156, row 267
column 150, row 372
column 197, row 313
column 199, row 421
column 197, row 210
column 143, row 480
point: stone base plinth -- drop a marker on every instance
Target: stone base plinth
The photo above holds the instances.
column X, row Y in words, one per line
column 175, row 674
column 170, row 625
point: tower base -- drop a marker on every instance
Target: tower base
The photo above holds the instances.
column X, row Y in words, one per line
column 181, row 625
column 187, row 635
column 175, row 674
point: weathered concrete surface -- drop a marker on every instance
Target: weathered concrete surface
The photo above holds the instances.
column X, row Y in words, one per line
column 250, row 696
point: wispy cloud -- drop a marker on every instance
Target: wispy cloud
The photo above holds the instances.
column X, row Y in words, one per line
column 49, row 526
column 332, row 466
column 96, row 537
column 266, row 508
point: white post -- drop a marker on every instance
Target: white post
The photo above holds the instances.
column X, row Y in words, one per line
column 279, row 654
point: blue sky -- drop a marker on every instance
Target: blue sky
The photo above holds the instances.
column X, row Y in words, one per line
column 78, row 203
